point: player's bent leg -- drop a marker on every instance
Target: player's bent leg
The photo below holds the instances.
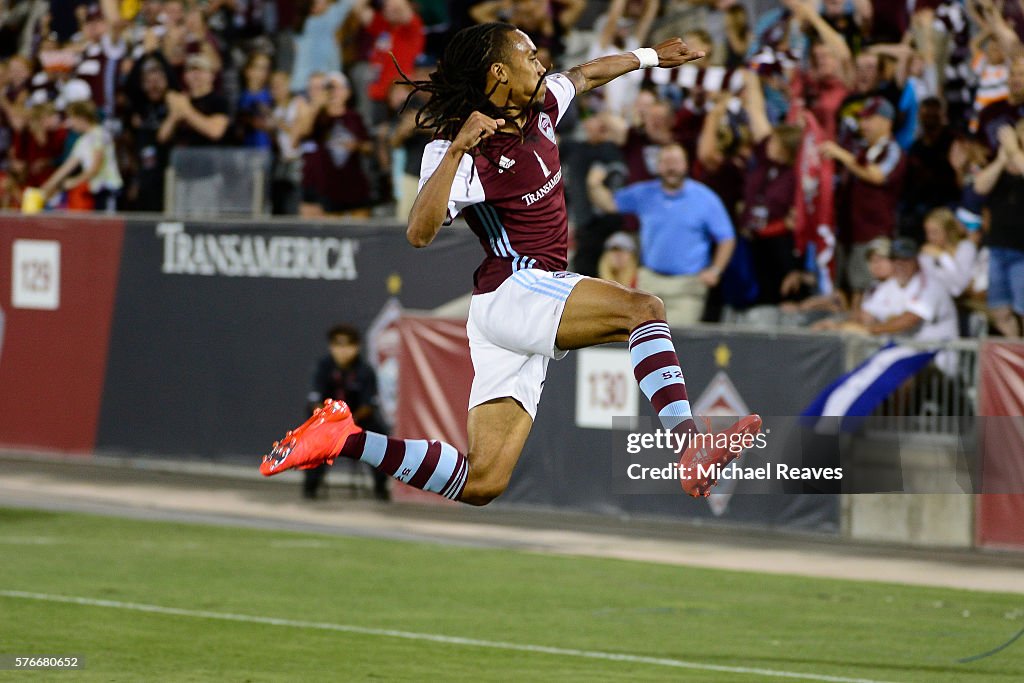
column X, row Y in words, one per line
column 498, row 429
column 497, row 433
column 599, row 312
column 331, row 433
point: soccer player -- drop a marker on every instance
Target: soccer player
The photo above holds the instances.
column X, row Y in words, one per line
column 494, row 159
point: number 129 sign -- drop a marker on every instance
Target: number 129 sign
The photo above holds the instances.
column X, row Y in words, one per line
column 35, row 274
column 605, row 387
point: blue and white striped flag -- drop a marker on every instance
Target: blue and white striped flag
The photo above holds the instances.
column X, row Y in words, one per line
column 857, row 394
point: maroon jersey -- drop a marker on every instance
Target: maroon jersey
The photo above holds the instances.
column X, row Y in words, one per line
column 873, row 208
column 99, row 68
column 515, row 205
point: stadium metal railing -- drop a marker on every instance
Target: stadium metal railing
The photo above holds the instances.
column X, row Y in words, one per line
column 213, row 182
column 937, row 400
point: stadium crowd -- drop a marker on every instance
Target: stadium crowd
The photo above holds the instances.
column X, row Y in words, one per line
column 818, row 146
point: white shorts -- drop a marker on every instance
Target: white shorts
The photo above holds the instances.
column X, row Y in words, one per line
column 512, row 335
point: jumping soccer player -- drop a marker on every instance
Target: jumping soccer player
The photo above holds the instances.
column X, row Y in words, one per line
column 493, row 111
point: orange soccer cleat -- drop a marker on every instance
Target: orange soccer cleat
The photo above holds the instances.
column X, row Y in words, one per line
column 712, row 451
column 316, row 441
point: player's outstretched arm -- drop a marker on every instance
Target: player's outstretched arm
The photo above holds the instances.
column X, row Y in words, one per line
column 667, row 55
column 430, row 210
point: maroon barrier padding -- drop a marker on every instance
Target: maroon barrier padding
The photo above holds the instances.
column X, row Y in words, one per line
column 998, row 522
column 433, row 387
column 52, row 362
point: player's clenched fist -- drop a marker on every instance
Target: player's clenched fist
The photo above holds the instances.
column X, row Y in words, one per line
column 477, row 128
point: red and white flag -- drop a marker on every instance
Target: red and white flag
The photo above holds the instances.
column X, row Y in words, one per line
column 815, row 202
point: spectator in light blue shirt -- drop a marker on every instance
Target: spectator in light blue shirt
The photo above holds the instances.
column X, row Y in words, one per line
column 686, row 235
column 316, row 47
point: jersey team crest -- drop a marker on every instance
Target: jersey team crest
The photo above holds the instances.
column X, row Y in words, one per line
column 546, row 127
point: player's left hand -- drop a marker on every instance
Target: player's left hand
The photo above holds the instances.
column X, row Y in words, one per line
column 674, row 52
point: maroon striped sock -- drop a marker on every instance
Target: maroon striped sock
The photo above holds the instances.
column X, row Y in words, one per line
column 657, row 371
column 428, row 465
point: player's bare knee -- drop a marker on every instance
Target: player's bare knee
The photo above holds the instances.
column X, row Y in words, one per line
column 481, row 496
column 482, row 491
column 478, row 499
column 645, row 307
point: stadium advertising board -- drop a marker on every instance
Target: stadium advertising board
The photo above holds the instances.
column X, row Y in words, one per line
column 218, row 324
column 189, row 338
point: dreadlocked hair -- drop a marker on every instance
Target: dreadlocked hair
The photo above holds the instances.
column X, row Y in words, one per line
column 458, row 86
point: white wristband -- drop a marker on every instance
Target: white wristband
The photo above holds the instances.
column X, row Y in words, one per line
column 648, row 57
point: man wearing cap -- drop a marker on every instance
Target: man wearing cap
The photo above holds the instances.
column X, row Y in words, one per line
column 879, row 254
column 911, row 304
column 199, row 118
column 876, row 179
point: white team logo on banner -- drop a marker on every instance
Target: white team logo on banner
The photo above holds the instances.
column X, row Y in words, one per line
column 546, row 127
column 383, row 342
column 721, row 399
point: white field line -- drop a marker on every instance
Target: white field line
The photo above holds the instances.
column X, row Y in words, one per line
column 30, row 540
column 433, row 638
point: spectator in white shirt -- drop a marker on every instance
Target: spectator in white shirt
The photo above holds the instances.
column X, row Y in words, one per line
column 907, row 303
column 912, row 304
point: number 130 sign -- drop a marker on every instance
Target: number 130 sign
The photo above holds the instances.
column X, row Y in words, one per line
column 605, row 387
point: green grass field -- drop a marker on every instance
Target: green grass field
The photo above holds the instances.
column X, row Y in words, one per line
column 734, row 620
